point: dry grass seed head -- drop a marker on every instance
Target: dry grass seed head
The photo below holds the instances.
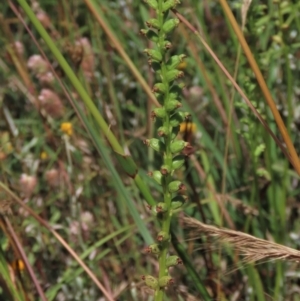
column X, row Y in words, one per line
column 253, row 249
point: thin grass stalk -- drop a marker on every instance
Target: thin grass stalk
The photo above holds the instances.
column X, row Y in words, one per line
column 110, row 87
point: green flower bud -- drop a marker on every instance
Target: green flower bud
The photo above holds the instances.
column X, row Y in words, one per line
column 178, row 146
column 159, row 112
column 174, row 61
column 165, row 169
column 169, row 4
column 156, row 144
column 153, row 249
column 157, row 176
column 178, row 161
column 150, row 281
column 152, row 3
column 163, row 131
column 170, row 25
column 167, row 45
column 178, row 201
column 154, row 54
column 160, row 87
column 163, row 236
column 149, row 34
column 174, row 74
column 172, row 105
column 165, row 281
column 153, row 23
column 143, row 32
column 153, row 211
column 161, row 207
column 173, row 261
column 176, row 186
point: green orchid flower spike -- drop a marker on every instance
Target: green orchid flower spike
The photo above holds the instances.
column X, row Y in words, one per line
column 169, row 118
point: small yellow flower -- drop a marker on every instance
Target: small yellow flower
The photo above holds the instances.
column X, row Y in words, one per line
column 44, row 155
column 18, row 265
column 182, row 65
column 188, row 127
column 67, row 128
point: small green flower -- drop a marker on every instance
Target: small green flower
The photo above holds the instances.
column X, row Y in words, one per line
column 163, row 236
column 170, row 25
column 150, row 281
column 173, row 261
column 157, row 176
column 156, row 144
column 162, row 207
column 159, row 112
column 176, row 186
column 178, row 162
column 153, row 249
column 165, row 281
column 178, row 146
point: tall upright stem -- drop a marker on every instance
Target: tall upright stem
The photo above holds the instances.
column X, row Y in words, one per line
column 169, row 119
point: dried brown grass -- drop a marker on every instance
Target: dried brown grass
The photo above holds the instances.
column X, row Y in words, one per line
column 250, row 247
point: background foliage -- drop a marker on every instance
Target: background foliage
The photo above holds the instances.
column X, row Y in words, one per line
column 237, row 177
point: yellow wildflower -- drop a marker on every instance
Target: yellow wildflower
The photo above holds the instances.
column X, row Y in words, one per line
column 18, row 265
column 44, row 155
column 188, row 127
column 67, row 128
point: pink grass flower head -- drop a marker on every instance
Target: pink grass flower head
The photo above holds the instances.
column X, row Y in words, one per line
column 46, row 79
column 74, row 230
column 19, row 47
column 37, row 64
column 52, row 177
column 87, row 220
column 88, row 60
column 27, row 184
column 51, row 103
